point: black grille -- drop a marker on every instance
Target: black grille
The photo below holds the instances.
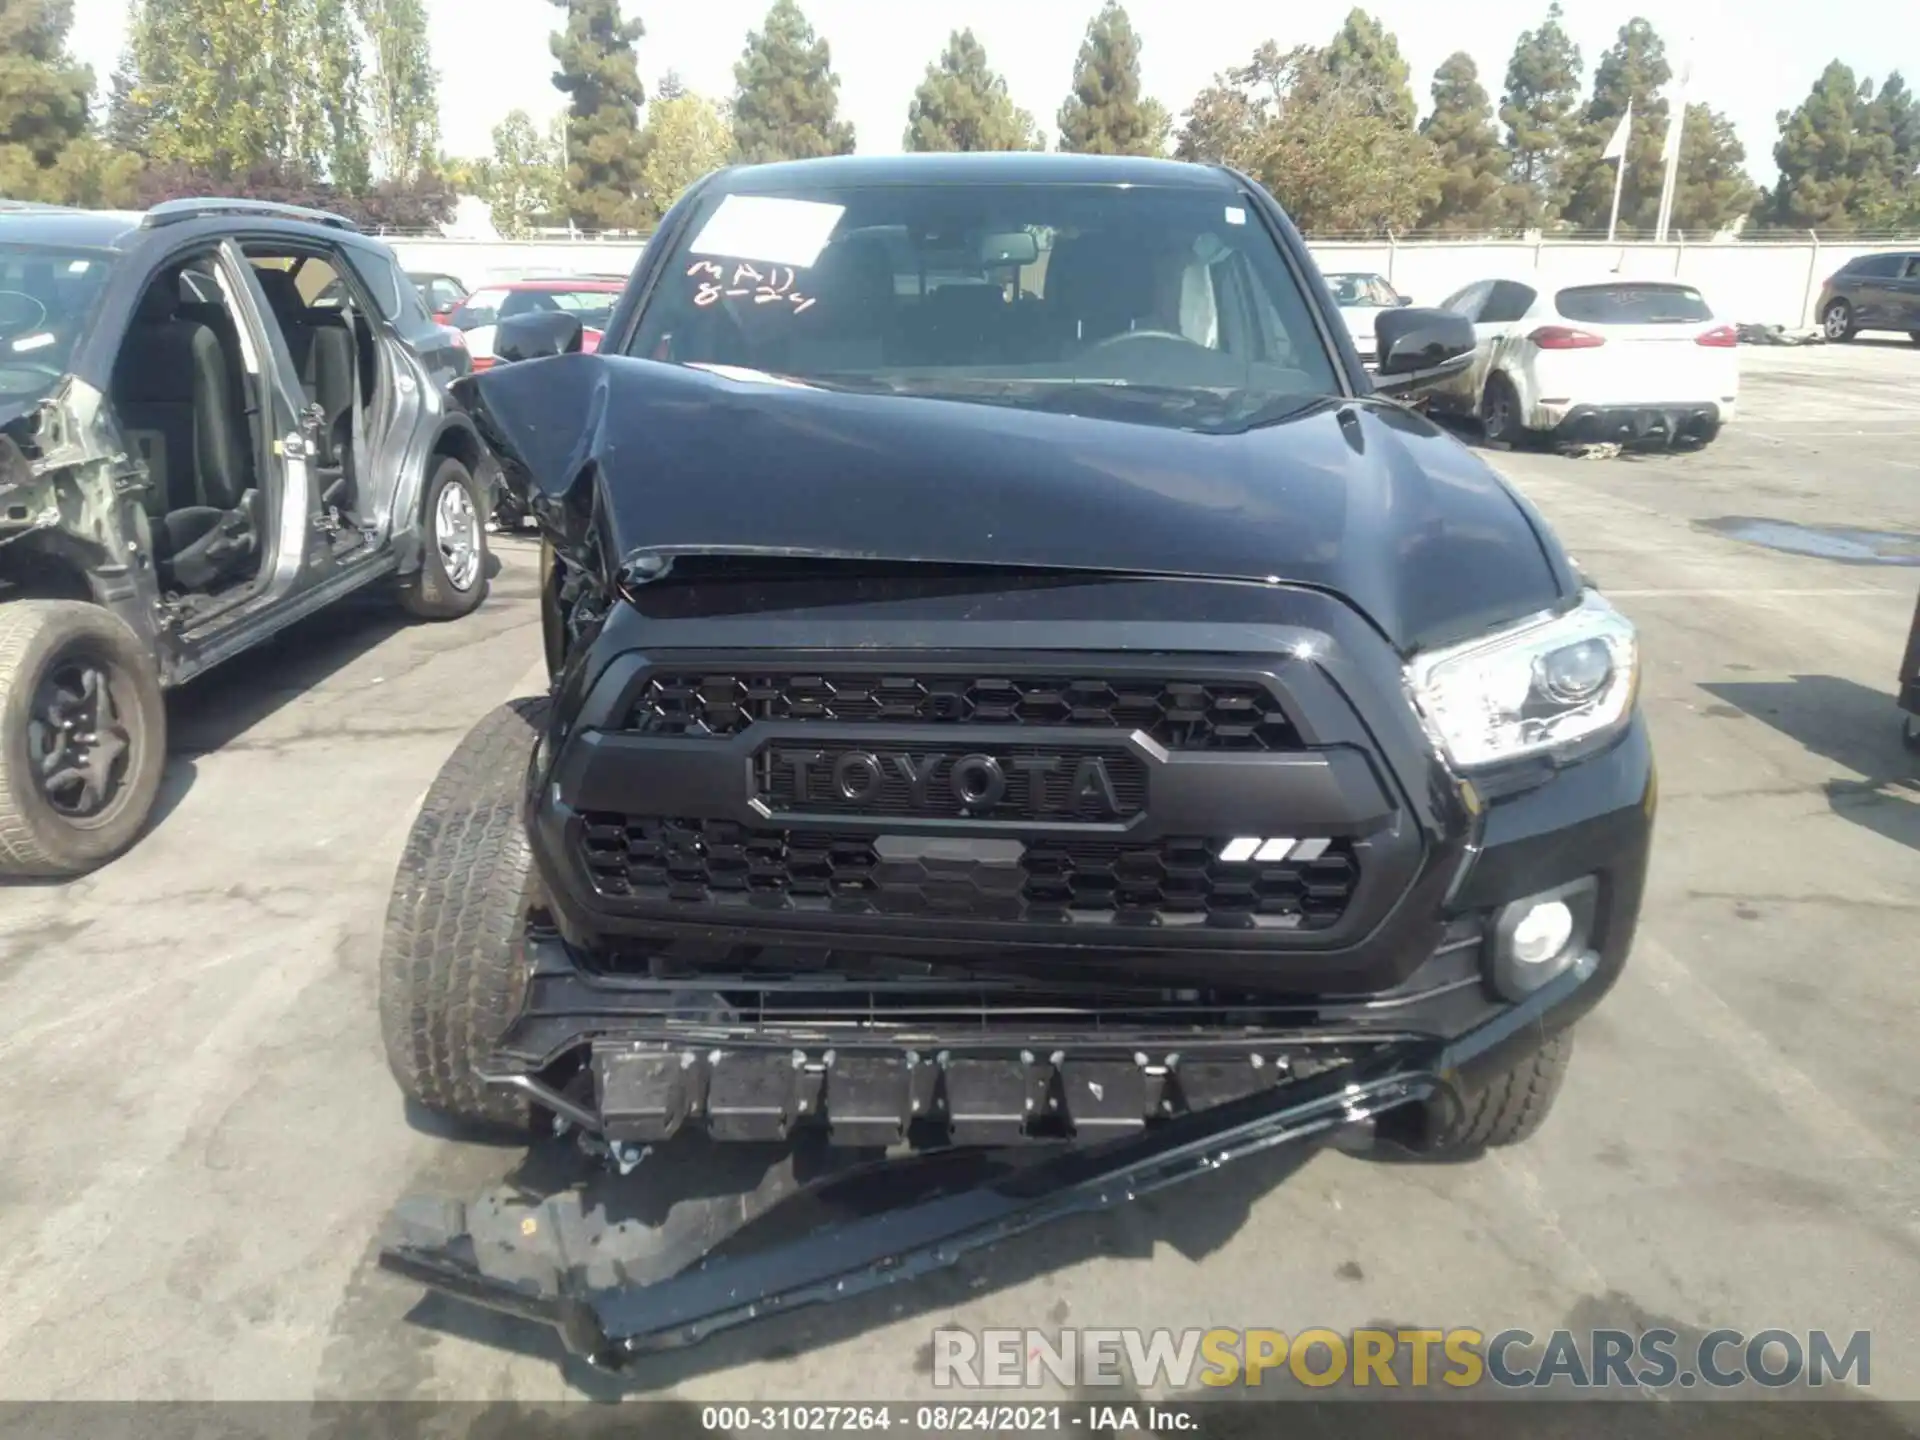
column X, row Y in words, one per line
column 1064, row 782
column 1180, row 714
column 713, row 864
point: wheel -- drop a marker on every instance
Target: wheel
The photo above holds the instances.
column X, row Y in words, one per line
column 1914, row 335
column 1500, row 414
column 453, row 962
column 83, row 737
column 1507, row 1109
column 452, row 579
column 1910, row 733
column 1837, row 323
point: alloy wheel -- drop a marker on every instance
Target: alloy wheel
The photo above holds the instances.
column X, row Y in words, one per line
column 456, row 530
column 80, row 748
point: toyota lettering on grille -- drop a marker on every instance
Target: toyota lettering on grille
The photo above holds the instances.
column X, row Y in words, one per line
column 1014, row 783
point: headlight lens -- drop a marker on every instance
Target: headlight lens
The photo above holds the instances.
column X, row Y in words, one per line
column 1537, row 688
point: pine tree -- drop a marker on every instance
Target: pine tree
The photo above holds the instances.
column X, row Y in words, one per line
column 1631, row 71
column 1712, row 188
column 1366, row 55
column 1887, row 157
column 1819, row 171
column 43, row 94
column 1474, row 168
column 402, row 90
column 601, row 75
column 963, row 105
column 1539, row 111
column 1106, row 114
column 787, row 101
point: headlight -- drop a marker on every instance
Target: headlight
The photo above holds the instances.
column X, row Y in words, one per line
column 1539, row 687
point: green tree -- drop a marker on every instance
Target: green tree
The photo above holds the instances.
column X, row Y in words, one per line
column 43, row 94
column 1365, row 56
column 1887, row 156
column 687, row 138
column 1539, row 110
column 787, row 101
column 1821, row 173
column 341, row 96
column 1631, row 72
column 402, row 88
column 522, row 181
column 963, row 105
column 1474, row 167
column 217, row 89
column 1319, row 143
column 1712, row 188
column 600, row 75
column 1106, row 113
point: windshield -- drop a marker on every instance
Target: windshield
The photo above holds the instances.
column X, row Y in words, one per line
column 1168, row 306
column 1355, row 289
column 47, row 298
column 593, row 308
column 1632, row 304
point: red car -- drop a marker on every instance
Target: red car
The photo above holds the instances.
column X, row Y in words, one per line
column 591, row 300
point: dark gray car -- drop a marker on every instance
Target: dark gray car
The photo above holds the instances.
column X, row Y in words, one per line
column 216, row 418
column 1873, row 292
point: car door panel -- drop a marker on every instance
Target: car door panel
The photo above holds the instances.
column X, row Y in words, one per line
column 286, row 478
column 1909, row 296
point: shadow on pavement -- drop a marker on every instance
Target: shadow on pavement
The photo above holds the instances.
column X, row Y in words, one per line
column 1852, row 725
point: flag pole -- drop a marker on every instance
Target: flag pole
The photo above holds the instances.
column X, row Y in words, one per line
column 1676, row 125
column 1619, row 177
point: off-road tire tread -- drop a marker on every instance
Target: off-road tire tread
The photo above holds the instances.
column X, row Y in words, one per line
column 427, row 594
column 1510, row 1107
column 22, row 624
column 452, row 965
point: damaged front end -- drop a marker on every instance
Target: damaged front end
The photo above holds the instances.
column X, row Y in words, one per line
column 897, row 1136
column 71, row 523
column 959, row 825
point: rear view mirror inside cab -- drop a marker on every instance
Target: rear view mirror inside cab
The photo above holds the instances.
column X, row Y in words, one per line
column 1014, row 247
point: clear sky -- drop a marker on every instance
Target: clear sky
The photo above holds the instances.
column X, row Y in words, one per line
column 1751, row 57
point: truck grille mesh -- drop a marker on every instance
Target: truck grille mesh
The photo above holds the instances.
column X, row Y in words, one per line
column 716, row 864
column 1179, row 714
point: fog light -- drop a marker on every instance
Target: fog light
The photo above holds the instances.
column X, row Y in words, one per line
column 1534, row 939
column 1542, row 933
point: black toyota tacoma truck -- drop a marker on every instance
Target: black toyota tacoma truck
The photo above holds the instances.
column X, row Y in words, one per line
column 1019, row 685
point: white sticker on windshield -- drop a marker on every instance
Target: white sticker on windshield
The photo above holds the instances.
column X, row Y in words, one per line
column 33, row 342
column 1236, row 215
column 769, row 228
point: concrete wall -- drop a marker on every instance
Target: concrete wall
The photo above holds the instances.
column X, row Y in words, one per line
column 1760, row 283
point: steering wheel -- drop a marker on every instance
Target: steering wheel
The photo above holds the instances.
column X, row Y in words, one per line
column 1128, row 336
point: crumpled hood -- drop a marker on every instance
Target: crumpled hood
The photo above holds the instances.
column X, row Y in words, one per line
column 617, row 457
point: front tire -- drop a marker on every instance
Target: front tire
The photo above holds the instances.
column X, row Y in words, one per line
column 453, row 965
column 83, row 737
column 1837, row 323
column 452, row 578
column 1505, row 1109
column 1910, row 733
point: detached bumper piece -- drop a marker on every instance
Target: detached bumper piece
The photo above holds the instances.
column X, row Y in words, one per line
column 880, row 1097
column 617, row 1289
column 1638, row 425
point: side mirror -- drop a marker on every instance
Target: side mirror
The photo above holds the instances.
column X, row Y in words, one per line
column 1419, row 348
column 1404, row 300
column 537, row 335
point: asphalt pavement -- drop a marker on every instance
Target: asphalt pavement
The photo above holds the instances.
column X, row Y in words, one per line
column 202, row 1138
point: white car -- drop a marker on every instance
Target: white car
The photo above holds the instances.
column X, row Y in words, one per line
column 1591, row 361
column 1361, row 296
